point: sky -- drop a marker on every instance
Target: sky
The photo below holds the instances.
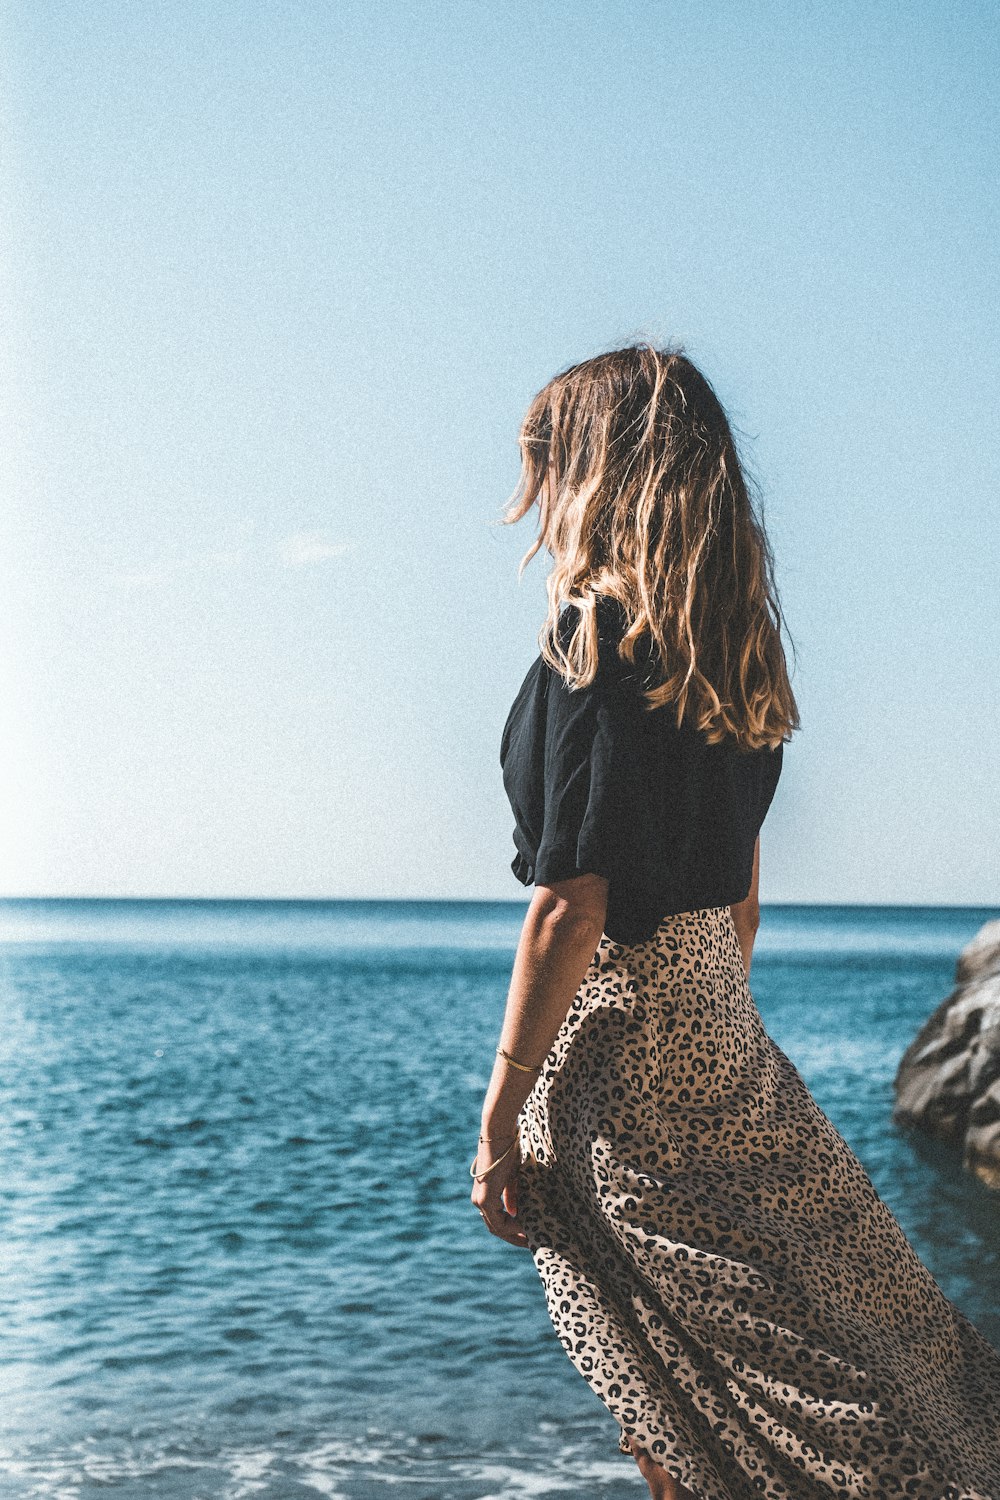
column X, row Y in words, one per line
column 279, row 283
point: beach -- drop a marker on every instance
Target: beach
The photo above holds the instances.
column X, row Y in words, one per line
column 239, row 1254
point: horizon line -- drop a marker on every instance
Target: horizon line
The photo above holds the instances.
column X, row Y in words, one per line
column 472, row 901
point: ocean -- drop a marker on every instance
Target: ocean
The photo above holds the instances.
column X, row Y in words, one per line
column 239, row 1256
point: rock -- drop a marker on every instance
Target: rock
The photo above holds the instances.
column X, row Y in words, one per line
column 981, row 956
column 948, row 1079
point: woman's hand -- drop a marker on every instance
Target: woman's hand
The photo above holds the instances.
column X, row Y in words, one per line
column 496, row 1195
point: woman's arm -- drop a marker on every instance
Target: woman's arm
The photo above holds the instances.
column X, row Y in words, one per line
column 746, row 913
column 562, row 929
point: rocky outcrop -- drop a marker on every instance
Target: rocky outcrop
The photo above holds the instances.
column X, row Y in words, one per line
column 948, row 1080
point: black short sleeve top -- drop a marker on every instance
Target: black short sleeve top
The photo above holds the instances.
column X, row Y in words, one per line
column 598, row 784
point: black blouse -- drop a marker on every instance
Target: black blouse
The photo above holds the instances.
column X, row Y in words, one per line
column 600, row 785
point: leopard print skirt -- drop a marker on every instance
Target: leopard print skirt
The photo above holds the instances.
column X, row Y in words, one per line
column 716, row 1261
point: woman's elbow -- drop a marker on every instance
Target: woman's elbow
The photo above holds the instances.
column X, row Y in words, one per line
column 580, row 903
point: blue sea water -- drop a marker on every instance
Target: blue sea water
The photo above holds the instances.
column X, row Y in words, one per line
column 239, row 1256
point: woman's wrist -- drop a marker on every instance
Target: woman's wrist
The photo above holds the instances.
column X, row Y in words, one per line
column 498, row 1140
column 499, row 1124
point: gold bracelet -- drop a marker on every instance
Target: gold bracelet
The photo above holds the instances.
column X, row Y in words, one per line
column 479, row 1176
column 515, row 1064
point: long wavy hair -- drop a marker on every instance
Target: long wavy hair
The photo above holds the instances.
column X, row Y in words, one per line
column 642, row 497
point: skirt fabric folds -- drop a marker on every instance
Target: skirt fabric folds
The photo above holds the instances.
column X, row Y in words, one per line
column 716, row 1261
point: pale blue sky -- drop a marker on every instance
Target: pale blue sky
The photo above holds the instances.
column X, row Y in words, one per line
column 282, row 280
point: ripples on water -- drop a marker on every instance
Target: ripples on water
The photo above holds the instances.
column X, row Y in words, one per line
column 239, row 1253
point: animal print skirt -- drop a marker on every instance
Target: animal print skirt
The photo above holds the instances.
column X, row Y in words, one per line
column 716, row 1261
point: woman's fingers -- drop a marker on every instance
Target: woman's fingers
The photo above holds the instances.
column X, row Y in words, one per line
column 509, row 1197
column 497, row 1221
column 490, row 1197
column 499, row 1224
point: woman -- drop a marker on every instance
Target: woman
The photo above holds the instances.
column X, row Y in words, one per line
column 715, row 1259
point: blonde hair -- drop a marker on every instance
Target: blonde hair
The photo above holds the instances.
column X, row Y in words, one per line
column 642, row 497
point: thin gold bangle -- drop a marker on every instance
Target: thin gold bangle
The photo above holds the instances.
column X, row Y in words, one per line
column 523, row 1067
column 480, row 1175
